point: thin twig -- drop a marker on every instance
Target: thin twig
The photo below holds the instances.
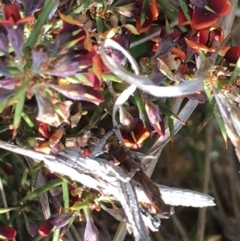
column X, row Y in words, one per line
column 233, row 180
column 206, row 179
column 121, row 232
column 156, row 33
column 180, row 228
column 217, row 197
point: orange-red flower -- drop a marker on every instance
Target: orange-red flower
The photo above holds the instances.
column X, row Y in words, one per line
column 134, row 139
column 203, row 39
column 204, row 14
column 232, row 56
column 7, row 232
column 151, row 12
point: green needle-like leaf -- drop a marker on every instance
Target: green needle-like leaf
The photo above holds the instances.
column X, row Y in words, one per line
column 43, row 17
column 43, row 189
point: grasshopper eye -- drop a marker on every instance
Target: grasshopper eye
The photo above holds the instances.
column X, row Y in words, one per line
column 150, row 220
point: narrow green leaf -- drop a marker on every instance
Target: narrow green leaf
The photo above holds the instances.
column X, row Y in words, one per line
column 211, row 107
column 168, row 6
column 24, row 177
column 27, row 119
column 142, row 49
column 197, row 159
column 33, row 181
column 167, row 26
column 166, row 111
column 42, row 19
column 19, row 93
column 8, row 209
column 221, row 125
column 141, row 108
column 3, row 154
column 111, row 77
column 79, row 206
column 37, row 238
column 65, row 192
column 143, row 12
column 18, row 112
column 208, row 115
column 100, row 24
column 99, row 110
column 5, row 177
column 43, row 189
column 56, row 234
column 4, row 128
column 13, row 216
column 170, row 121
column 83, row 6
column 236, row 71
column 185, row 9
column 3, row 104
column 14, row 160
column 37, row 167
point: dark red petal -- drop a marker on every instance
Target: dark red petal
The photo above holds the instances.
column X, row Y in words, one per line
column 203, row 19
column 197, row 46
column 43, row 129
column 221, row 7
column 128, row 140
column 144, row 27
column 217, row 34
column 12, row 12
column 233, row 54
column 182, row 21
column 46, row 227
column 154, row 9
column 95, row 81
column 6, row 168
column 7, row 232
column 86, row 153
column 135, row 139
column 141, row 137
column 203, row 36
